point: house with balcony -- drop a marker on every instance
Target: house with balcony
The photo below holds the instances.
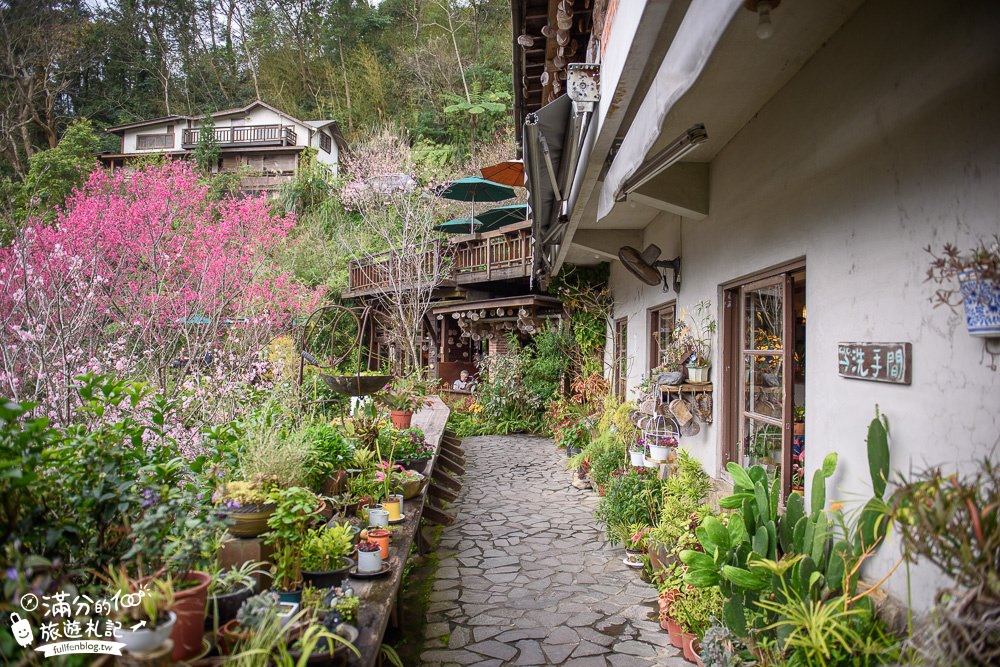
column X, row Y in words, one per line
column 786, row 163
column 485, row 297
column 259, row 138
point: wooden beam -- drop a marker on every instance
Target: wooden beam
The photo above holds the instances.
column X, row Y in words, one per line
column 450, row 466
column 443, row 494
column 440, row 517
column 444, row 479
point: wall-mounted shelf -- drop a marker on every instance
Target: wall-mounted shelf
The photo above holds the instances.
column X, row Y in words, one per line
column 686, row 387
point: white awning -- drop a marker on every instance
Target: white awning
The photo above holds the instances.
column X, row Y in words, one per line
column 696, row 39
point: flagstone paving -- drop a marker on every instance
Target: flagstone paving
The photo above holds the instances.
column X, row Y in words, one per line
column 526, row 577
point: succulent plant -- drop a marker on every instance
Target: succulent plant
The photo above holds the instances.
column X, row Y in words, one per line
column 257, row 610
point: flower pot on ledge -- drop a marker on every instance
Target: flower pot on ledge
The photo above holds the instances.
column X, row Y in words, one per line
column 401, row 418
column 981, row 300
column 698, row 374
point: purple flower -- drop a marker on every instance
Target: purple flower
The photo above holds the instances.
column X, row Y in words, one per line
column 12, row 574
column 149, row 498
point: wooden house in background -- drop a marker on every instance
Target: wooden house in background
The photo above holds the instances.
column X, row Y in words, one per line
column 258, row 137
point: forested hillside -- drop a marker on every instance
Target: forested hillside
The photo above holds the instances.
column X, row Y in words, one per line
column 422, row 65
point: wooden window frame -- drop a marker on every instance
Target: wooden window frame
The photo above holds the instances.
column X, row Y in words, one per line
column 652, row 326
column 325, row 142
column 619, row 351
column 140, row 137
column 732, row 358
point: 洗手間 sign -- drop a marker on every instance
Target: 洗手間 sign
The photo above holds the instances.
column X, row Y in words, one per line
column 880, row 362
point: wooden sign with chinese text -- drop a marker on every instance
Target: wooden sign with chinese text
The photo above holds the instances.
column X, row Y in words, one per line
column 878, row 362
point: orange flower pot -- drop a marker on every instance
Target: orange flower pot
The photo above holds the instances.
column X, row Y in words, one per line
column 401, row 418
column 380, row 536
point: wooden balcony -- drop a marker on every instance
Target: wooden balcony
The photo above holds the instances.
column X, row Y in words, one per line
column 249, row 135
column 504, row 255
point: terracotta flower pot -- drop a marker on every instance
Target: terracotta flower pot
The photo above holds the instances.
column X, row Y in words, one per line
column 189, row 605
column 401, row 418
column 676, row 634
column 230, row 634
column 689, row 653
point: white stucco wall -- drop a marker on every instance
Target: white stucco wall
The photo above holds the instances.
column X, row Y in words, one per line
column 886, row 141
column 130, row 137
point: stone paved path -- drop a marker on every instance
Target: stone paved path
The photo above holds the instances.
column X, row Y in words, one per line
column 526, row 576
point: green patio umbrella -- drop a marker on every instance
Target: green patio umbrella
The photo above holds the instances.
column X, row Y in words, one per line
column 501, row 216
column 459, row 226
column 474, row 189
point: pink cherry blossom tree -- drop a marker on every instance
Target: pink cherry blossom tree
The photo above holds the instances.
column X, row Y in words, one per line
column 142, row 274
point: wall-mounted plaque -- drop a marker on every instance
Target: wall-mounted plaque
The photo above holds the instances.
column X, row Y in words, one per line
column 879, row 362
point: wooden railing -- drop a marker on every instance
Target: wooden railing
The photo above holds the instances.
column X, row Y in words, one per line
column 266, row 135
column 495, row 257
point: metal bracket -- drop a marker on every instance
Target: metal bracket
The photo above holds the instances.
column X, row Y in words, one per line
column 674, row 264
column 583, row 86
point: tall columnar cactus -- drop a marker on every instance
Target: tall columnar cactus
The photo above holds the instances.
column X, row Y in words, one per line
column 819, row 550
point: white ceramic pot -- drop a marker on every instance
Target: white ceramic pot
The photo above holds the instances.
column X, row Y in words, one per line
column 370, row 561
column 698, row 374
column 286, row 610
column 637, row 458
column 658, row 453
column 146, row 639
column 378, row 517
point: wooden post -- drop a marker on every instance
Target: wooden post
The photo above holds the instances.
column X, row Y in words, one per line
column 488, row 259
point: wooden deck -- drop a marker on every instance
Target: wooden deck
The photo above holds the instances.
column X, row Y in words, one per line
column 503, row 255
column 378, row 596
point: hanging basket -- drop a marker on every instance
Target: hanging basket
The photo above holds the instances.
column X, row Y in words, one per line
column 661, row 434
column 981, row 299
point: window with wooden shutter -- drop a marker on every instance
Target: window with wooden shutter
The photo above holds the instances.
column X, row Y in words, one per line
column 149, row 141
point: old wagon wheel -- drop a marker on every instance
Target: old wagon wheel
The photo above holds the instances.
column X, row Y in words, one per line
column 330, row 337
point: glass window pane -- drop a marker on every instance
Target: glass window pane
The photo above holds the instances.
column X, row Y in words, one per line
column 764, row 389
column 763, row 318
column 762, row 445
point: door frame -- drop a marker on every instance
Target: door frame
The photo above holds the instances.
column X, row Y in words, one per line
column 732, row 359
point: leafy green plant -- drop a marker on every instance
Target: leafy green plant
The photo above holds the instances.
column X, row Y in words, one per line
column 324, row 549
column 821, row 632
column 207, row 151
column 819, row 554
column 157, row 596
column 296, row 509
column 228, row 580
column 953, row 522
column 332, row 449
column 631, row 498
column 694, row 608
